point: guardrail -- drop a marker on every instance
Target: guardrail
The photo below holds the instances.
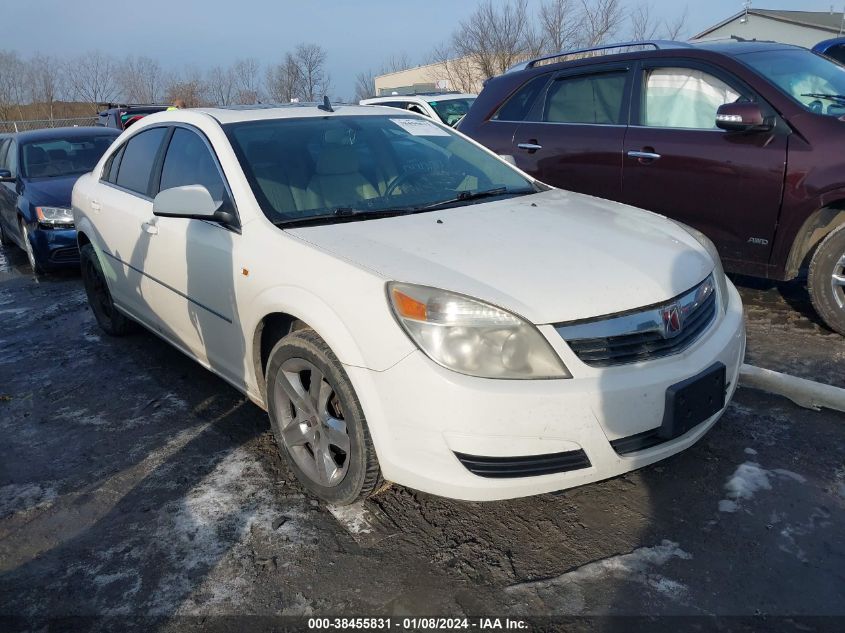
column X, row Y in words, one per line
column 26, row 126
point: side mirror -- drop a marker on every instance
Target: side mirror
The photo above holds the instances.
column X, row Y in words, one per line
column 193, row 202
column 742, row 117
column 6, row 176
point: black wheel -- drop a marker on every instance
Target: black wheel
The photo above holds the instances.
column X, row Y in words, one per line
column 108, row 317
column 826, row 281
column 27, row 246
column 318, row 421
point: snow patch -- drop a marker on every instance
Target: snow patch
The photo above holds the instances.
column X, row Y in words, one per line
column 354, row 517
column 565, row 593
column 748, row 479
column 750, row 451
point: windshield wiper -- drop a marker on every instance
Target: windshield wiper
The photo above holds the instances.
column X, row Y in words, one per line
column 339, row 214
column 466, row 196
column 824, row 95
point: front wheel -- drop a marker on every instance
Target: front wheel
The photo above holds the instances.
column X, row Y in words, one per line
column 318, row 421
column 826, row 280
column 99, row 298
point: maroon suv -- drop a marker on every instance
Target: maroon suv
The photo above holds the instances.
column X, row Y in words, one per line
column 743, row 140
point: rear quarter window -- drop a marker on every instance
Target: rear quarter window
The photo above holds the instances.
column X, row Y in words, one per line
column 136, row 165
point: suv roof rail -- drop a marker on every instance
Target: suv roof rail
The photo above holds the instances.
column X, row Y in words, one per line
column 655, row 44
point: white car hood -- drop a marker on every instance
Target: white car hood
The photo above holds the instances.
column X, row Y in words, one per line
column 551, row 257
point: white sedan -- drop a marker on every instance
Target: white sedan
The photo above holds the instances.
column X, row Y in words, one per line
column 406, row 305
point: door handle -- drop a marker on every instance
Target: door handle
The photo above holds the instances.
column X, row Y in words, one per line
column 150, row 228
column 95, row 206
column 531, row 147
column 645, row 155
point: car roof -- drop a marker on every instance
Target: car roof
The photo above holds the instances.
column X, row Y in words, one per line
column 239, row 114
column 739, row 47
column 429, row 96
column 51, row 133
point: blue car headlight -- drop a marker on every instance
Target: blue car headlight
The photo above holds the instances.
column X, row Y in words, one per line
column 56, row 217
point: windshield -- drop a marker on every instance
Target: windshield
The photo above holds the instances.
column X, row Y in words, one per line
column 302, row 168
column 451, row 111
column 815, row 82
column 63, row 157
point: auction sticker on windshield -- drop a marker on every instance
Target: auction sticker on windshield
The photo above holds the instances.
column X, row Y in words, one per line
column 420, row 127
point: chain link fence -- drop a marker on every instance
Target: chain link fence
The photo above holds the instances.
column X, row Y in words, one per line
column 25, row 126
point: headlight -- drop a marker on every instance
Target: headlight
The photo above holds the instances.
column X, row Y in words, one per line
column 54, row 216
column 718, row 271
column 472, row 337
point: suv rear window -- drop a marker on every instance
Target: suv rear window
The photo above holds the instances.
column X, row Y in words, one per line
column 593, row 99
column 519, row 105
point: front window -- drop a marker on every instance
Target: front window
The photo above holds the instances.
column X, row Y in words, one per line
column 63, row 157
column 339, row 166
column 684, row 98
column 815, row 82
column 451, row 111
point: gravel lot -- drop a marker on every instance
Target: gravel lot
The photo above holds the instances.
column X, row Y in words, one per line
column 134, row 483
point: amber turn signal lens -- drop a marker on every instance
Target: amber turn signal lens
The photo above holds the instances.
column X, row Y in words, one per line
column 408, row 307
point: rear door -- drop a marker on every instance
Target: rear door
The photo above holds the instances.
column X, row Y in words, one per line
column 121, row 208
column 678, row 163
column 574, row 133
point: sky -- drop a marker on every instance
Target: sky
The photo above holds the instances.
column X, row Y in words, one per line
column 357, row 34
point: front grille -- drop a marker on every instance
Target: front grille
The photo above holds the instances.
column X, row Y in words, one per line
column 644, row 334
column 529, row 466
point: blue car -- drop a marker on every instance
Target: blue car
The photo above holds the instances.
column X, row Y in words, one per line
column 37, row 172
column 833, row 48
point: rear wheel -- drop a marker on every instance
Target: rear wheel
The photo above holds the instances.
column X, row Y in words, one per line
column 318, row 421
column 99, row 298
column 826, row 281
column 30, row 253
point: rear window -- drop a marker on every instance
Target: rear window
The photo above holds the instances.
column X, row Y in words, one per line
column 138, row 158
column 595, row 99
column 519, row 105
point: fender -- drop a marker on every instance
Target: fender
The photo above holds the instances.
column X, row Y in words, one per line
column 393, row 345
column 814, row 229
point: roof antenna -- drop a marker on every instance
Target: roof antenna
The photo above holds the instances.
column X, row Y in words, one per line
column 326, row 105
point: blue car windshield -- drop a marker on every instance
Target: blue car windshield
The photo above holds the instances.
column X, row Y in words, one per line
column 53, row 158
column 817, row 83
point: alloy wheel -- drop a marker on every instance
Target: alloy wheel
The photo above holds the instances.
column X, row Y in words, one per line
column 837, row 282
column 312, row 422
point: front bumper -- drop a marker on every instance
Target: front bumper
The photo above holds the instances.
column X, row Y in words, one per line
column 54, row 248
column 422, row 416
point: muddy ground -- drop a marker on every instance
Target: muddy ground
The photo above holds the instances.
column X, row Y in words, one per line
column 134, row 484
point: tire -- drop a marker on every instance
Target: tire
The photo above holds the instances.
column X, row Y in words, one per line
column 27, row 247
column 108, row 317
column 334, row 456
column 826, row 280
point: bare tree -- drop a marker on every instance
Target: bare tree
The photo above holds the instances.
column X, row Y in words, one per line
column 676, row 29
column 44, row 78
column 365, row 85
column 602, row 20
column 311, row 60
column 12, row 84
column 245, row 73
column 188, row 86
column 92, row 78
column 643, row 24
column 283, row 80
column 141, row 80
column 220, row 85
column 461, row 73
column 559, row 26
column 495, row 37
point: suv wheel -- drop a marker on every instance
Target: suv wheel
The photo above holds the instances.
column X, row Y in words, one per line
column 108, row 317
column 27, row 246
column 318, row 421
column 826, row 281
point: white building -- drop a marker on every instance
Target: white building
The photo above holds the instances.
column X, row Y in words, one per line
column 803, row 28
